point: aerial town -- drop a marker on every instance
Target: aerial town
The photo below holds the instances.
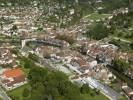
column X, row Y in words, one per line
column 66, row 50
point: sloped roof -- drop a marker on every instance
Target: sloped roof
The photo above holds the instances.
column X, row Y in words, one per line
column 11, row 73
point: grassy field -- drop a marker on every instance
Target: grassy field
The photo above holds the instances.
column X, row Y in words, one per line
column 96, row 16
column 122, row 44
column 96, row 97
column 17, row 93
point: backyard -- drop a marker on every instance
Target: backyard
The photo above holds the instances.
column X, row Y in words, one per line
column 17, row 94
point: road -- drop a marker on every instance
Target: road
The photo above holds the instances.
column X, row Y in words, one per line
column 113, row 95
column 74, row 69
column 3, row 95
column 110, row 93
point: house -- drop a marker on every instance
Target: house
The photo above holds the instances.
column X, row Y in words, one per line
column 81, row 64
column 129, row 73
column 6, row 57
column 128, row 91
column 44, row 51
column 25, row 50
column 78, row 62
column 12, row 78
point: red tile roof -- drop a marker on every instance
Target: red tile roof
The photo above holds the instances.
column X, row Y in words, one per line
column 13, row 73
column 16, row 80
column 81, row 62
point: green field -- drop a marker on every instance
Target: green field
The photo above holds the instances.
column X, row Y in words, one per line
column 122, row 44
column 96, row 97
column 96, row 16
column 16, row 94
column 99, row 96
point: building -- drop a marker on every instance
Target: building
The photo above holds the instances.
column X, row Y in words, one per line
column 12, row 78
column 81, row 64
column 128, row 91
column 6, row 56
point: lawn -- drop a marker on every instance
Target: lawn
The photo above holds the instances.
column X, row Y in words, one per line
column 17, row 93
column 99, row 96
column 96, row 97
column 124, row 46
column 96, row 16
column 1, row 98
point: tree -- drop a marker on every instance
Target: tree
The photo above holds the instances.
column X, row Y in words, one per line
column 111, row 5
column 28, row 63
column 131, row 45
column 66, row 38
column 97, row 92
column 84, row 49
column 14, row 28
column 51, row 84
column 33, row 57
column 120, row 65
column 26, row 92
column 88, row 34
column 85, row 89
column 15, row 97
column 40, row 29
column 99, row 31
column 15, row 51
column 1, row 25
column 37, row 75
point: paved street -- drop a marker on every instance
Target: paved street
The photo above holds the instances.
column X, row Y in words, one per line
column 3, row 95
column 113, row 95
column 105, row 89
column 74, row 68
